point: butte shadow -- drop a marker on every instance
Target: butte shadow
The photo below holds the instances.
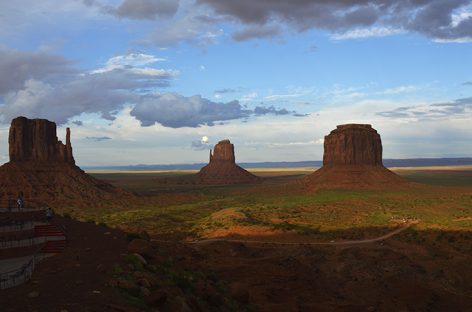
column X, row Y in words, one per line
column 353, row 159
column 43, row 169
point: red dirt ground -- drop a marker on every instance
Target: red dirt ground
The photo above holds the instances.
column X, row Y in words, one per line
column 392, row 275
column 67, row 281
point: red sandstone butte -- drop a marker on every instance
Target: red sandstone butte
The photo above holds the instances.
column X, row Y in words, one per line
column 222, row 168
column 43, row 170
column 36, row 140
column 353, row 159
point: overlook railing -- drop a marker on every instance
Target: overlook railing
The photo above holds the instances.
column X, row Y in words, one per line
column 20, row 275
column 7, row 244
column 13, row 226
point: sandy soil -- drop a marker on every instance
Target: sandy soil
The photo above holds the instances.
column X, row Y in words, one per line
column 76, row 279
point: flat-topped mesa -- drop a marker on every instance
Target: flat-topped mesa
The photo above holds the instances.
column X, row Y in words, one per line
column 223, row 152
column 353, row 144
column 352, row 159
column 36, row 140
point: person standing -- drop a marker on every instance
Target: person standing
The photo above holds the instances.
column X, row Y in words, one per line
column 20, row 201
column 48, row 215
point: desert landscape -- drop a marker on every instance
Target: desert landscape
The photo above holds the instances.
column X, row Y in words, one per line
column 235, row 156
column 350, row 236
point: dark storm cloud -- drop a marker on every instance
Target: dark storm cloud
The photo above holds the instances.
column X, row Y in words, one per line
column 78, row 123
column 254, row 32
column 430, row 18
column 16, row 67
column 137, row 9
column 147, row 9
column 33, row 93
column 176, row 111
column 433, row 111
column 87, row 94
column 98, row 139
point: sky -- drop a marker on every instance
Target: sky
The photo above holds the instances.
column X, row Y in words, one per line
column 162, row 81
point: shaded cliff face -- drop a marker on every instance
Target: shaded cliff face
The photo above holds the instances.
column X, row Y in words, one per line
column 36, row 140
column 222, row 168
column 353, row 144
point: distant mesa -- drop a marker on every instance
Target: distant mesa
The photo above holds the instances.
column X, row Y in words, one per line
column 222, row 168
column 43, row 169
column 352, row 159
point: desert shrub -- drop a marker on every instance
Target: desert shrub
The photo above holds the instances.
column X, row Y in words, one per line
column 131, row 236
column 116, row 270
column 135, row 261
column 137, row 303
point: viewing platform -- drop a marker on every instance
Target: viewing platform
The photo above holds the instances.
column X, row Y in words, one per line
column 26, row 237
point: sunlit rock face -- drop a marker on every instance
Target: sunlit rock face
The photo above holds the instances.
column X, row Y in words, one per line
column 223, row 152
column 222, row 168
column 353, row 144
column 36, row 140
column 352, row 159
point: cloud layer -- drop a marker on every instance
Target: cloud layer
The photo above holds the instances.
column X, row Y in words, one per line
column 147, row 9
column 436, row 111
column 46, row 86
column 438, row 19
column 16, row 67
column 176, row 111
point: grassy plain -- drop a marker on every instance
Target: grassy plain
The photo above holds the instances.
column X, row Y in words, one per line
column 424, row 268
column 279, row 204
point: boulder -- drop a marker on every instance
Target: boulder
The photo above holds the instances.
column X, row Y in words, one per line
column 139, row 246
column 156, row 298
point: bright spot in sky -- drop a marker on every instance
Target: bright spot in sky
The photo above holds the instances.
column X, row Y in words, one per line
column 204, row 139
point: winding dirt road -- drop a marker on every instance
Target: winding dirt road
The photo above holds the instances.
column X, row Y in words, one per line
column 331, row 243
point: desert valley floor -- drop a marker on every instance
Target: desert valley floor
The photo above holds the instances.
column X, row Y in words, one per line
column 284, row 247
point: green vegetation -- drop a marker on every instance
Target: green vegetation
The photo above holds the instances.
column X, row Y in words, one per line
column 182, row 210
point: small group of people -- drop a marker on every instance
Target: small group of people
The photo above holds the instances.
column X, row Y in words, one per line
column 20, row 202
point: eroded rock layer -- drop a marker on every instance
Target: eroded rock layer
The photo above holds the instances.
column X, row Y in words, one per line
column 352, row 159
column 42, row 169
column 353, row 144
column 36, row 140
column 222, row 168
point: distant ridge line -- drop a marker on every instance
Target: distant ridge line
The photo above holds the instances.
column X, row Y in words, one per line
column 412, row 162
